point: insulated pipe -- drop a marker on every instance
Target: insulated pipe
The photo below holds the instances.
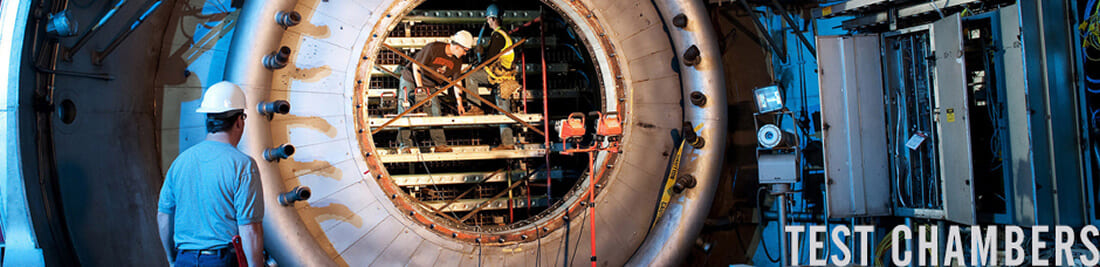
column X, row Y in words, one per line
column 288, row 19
column 274, row 107
column 668, row 244
column 286, row 238
column 278, row 153
column 278, row 59
column 299, row 193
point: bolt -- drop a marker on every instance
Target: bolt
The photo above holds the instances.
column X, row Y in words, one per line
column 524, row 237
column 697, row 142
column 544, row 229
column 431, row 226
column 478, row 240
column 501, row 240
column 411, row 213
column 566, row 218
column 393, row 196
column 454, row 235
column 368, row 154
column 378, row 177
column 698, row 98
column 680, row 20
column 684, row 182
column 692, row 56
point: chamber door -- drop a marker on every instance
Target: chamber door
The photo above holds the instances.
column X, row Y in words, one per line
column 952, row 120
column 850, row 75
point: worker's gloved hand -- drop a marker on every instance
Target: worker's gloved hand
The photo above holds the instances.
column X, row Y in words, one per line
column 405, row 104
column 508, row 88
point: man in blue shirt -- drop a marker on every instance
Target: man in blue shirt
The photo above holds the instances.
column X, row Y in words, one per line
column 212, row 191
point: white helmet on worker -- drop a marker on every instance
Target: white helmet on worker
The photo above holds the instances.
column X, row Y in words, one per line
column 463, row 38
column 221, row 97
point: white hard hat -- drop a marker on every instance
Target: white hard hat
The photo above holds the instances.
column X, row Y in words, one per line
column 463, row 38
column 221, row 97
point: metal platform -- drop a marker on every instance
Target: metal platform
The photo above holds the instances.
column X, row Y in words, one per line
column 475, row 120
column 377, row 92
column 465, row 178
column 497, row 204
column 463, row 153
column 468, row 16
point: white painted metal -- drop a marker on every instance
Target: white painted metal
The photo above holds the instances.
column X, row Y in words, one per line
column 777, row 168
column 955, row 158
column 352, row 222
column 20, row 242
column 465, row 178
column 413, row 42
column 466, row 153
column 854, row 136
column 485, row 204
column 454, row 120
column 671, row 240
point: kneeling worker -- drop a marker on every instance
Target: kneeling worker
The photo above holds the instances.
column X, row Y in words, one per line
column 500, row 75
column 444, row 58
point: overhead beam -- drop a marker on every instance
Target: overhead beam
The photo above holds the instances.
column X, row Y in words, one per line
column 464, row 153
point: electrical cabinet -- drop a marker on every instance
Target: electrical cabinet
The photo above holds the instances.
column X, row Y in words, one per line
column 852, row 122
column 896, row 119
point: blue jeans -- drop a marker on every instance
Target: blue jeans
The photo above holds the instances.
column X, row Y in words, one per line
column 404, row 137
column 224, row 258
column 480, row 77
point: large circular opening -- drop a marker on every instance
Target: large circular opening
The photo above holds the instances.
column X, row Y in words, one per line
column 448, row 158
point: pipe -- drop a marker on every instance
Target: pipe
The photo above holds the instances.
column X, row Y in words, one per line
column 299, row 193
column 277, row 59
column 287, row 239
column 787, row 16
column 523, row 74
column 545, row 109
column 781, row 190
column 288, row 19
column 68, row 55
column 763, row 32
column 269, row 109
column 99, row 55
column 592, row 205
column 278, row 153
column 101, row 76
column 669, row 244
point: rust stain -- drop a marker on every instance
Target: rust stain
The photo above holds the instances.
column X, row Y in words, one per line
column 334, row 211
column 312, row 75
column 292, row 168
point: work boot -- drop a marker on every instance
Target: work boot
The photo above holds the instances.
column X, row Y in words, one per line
column 504, row 147
column 473, row 111
column 442, row 148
